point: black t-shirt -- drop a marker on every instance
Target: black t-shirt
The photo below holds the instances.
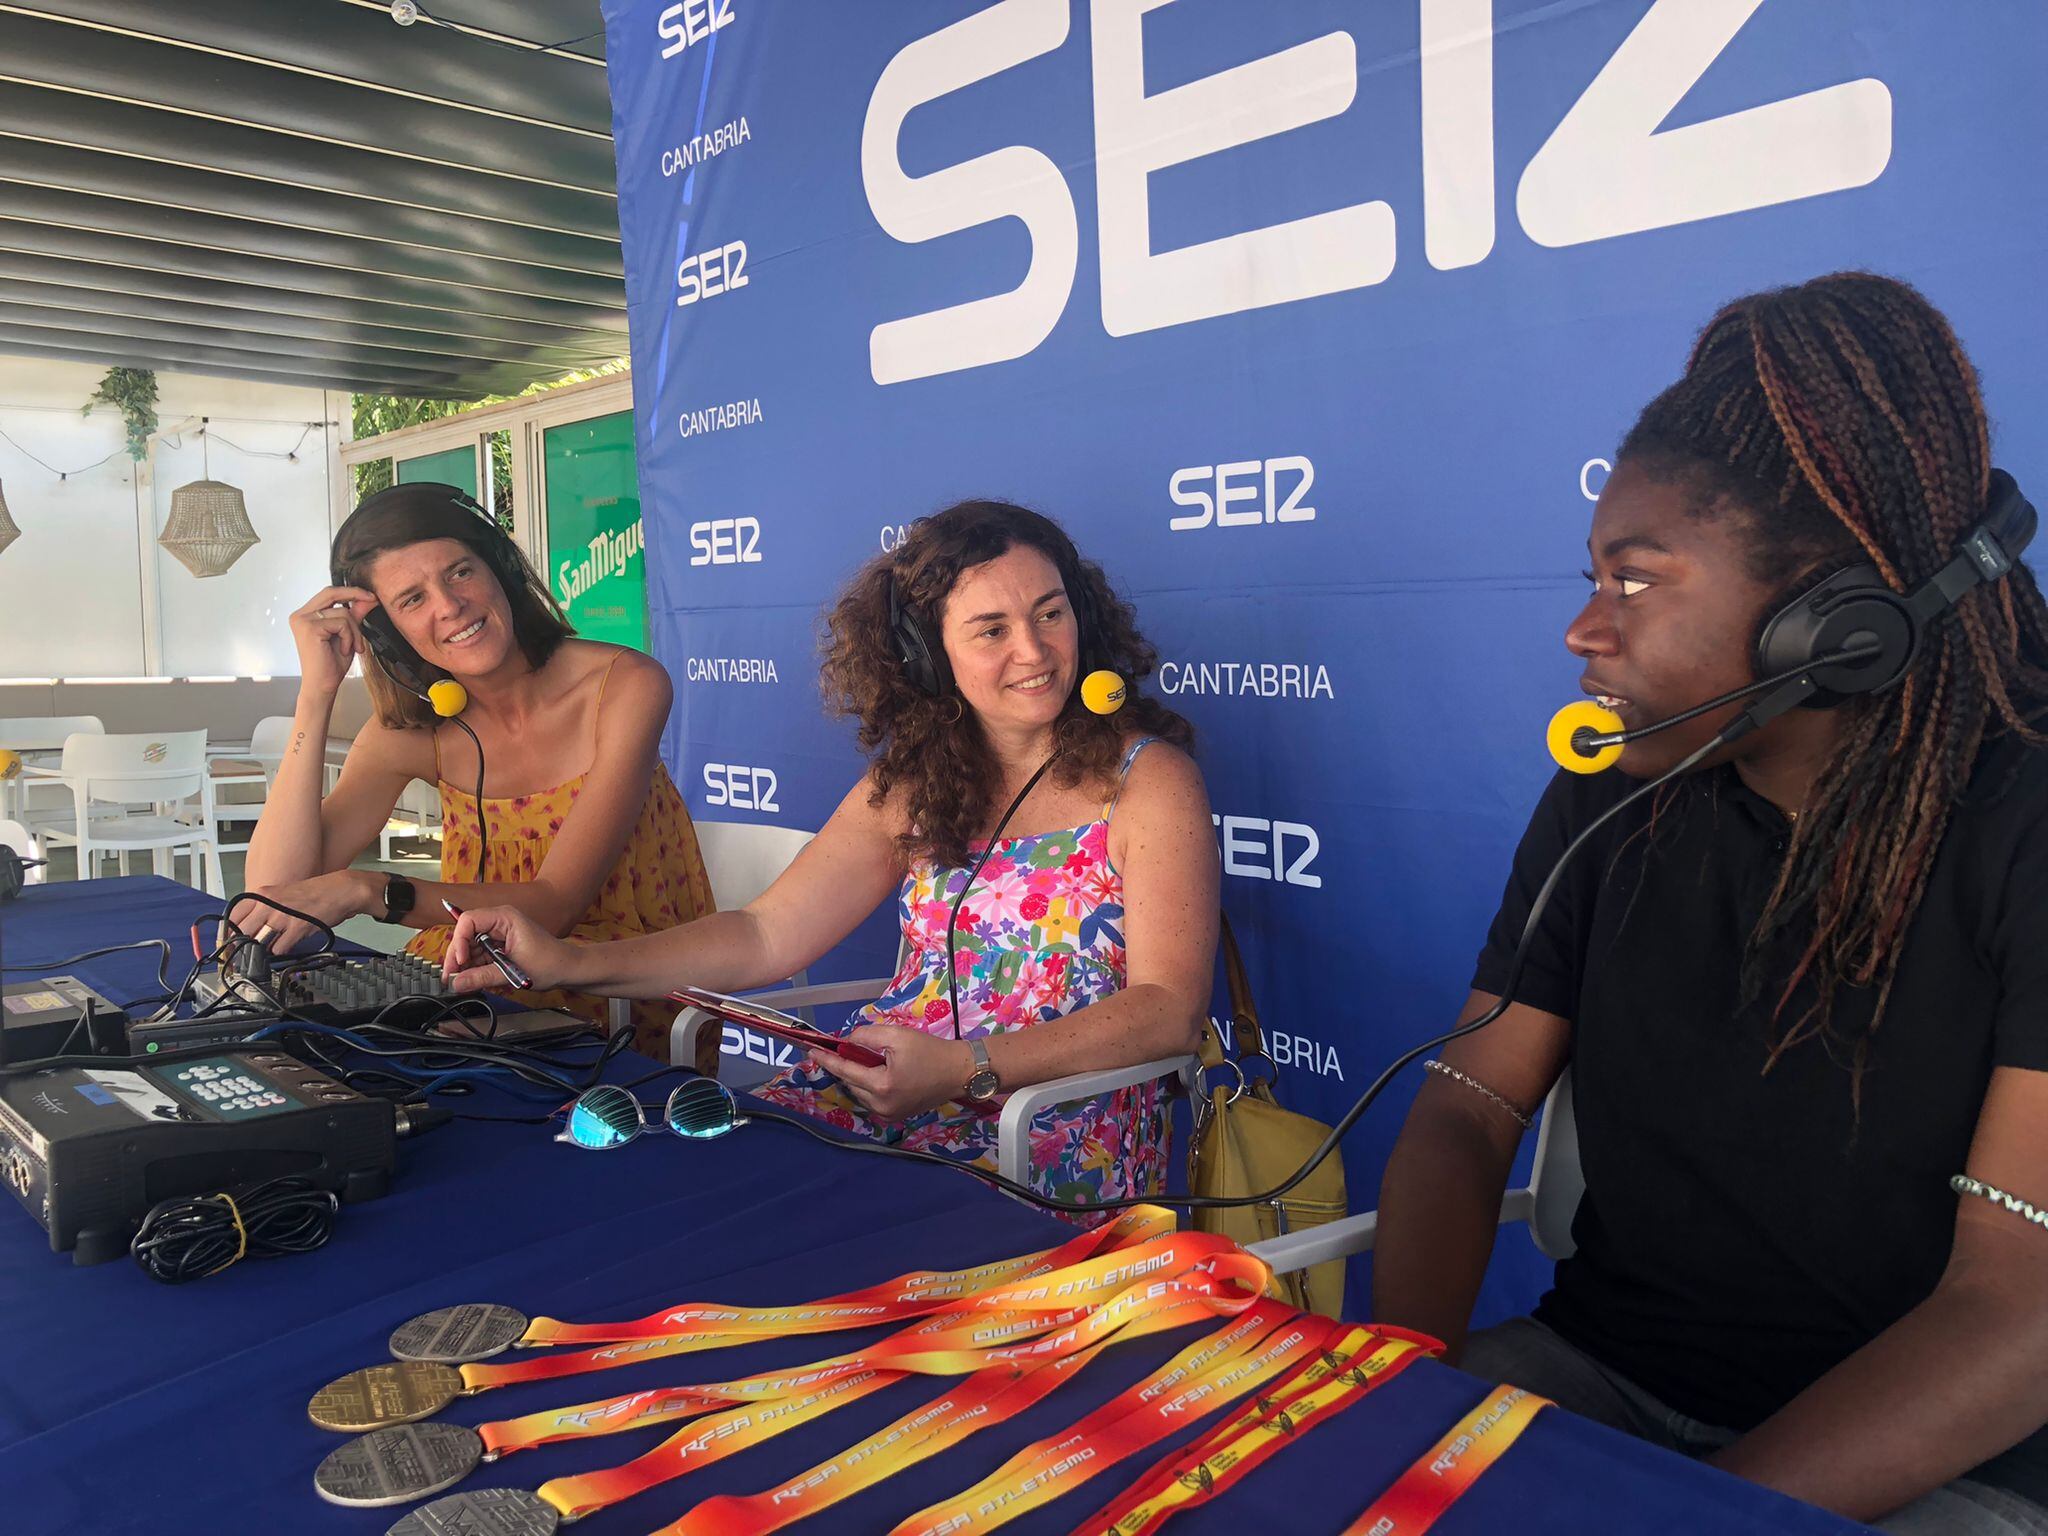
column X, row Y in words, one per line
column 1742, row 1232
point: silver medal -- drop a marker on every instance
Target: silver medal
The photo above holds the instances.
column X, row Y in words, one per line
column 398, row 1465
column 482, row 1512
column 476, row 1330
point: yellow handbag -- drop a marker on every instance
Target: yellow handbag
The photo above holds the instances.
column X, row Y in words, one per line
column 1244, row 1142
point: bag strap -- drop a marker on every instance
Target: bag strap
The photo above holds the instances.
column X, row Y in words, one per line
column 1246, row 1036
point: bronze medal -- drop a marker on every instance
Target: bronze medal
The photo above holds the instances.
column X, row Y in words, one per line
column 476, row 1330
column 482, row 1512
column 379, row 1396
column 398, row 1465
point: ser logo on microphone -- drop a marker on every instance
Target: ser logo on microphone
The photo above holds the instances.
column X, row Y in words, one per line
column 1242, row 495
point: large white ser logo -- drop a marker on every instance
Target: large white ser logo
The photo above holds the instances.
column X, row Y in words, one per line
column 1605, row 171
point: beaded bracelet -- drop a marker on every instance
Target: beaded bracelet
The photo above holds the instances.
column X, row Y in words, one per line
column 1522, row 1116
column 1963, row 1184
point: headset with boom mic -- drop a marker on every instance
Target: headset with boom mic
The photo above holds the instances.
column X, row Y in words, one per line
column 401, row 663
column 922, row 654
column 1849, row 635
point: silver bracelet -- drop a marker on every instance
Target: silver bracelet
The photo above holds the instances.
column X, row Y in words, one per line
column 1963, row 1184
column 1522, row 1116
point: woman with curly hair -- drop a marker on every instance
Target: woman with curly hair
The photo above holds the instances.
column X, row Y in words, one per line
column 1082, row 940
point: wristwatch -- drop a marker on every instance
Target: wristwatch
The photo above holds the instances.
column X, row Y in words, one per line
column 399, row 895
column 983, row 1084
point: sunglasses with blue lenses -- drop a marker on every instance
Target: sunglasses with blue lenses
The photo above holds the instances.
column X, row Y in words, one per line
column 609, row 1116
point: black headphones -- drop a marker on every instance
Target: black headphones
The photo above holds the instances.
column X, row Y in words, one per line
column 922, row 653
column 1855, row 606
column 14, row 872
column 492, row 543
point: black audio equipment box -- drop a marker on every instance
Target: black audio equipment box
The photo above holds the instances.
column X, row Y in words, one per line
column 57, row 1016
column 89, row 1149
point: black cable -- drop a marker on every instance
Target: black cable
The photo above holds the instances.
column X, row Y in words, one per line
column 953, row 917
column 200, row 1235
column 483, row 825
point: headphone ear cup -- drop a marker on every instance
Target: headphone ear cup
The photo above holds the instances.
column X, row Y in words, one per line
column 926, row 672
column 1852, row 607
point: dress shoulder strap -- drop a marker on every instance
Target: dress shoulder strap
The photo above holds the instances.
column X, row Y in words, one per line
column 1123, row 772
column 604, row 682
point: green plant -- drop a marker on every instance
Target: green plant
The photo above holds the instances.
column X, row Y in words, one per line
column 131, row 391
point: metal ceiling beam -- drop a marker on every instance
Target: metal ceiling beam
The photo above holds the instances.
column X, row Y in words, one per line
column 36, row 49
column 567, row 22
column 461, row 332
column 220, row 232
column 148, row 136
column 366, row 47
column 152, row 184
column 264, row 271
column 393, row 364
column 263, row 367
column 114, row 313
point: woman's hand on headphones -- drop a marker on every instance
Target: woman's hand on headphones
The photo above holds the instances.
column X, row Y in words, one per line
column 329, row 634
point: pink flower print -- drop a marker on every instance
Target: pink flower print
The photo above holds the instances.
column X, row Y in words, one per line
column 1099, row 887
column 1080, row 861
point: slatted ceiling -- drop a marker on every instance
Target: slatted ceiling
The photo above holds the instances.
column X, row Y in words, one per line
column 308, row 192
column 194, row 190
column 320, row 38
column 436, row 348
column 138, row 132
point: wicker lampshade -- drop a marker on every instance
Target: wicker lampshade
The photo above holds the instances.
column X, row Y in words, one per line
column 9, row 529
column 209, row 527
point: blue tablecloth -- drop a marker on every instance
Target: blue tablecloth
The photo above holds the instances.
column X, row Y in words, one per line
column 126, row 1405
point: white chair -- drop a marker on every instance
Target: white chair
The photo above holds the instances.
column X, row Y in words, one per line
column 259, row 765
column 14, row 835
column 28, row 736
column 120, row 771
column 1547, row 1203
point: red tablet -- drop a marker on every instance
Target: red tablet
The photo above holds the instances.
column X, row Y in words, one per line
column 751, row 1015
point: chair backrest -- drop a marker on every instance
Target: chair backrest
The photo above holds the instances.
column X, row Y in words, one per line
column 1557, row 1181
column 166, row 765
column 46, row 733
column 14, row 835
column 273, row 734
column 744, row 858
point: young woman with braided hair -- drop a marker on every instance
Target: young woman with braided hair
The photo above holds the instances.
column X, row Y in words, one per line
column 1800, row 988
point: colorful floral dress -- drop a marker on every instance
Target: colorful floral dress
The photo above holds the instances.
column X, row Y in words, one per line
column 1040, row 935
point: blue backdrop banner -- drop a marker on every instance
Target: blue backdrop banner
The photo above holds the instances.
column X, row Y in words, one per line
column 1314, row 322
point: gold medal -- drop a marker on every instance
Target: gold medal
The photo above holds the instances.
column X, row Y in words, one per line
column 378, row 1396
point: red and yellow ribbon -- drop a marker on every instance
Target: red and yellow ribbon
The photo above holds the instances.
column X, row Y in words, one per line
column 1444, row 1472
column 1027, row 1322
column 908, row 1295
column 1004, row 1379
column 1352, row 1363
column 1148, row 1227
column 1268, row 1338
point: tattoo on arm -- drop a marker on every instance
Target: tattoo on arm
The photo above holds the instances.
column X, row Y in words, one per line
column 298, row 741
